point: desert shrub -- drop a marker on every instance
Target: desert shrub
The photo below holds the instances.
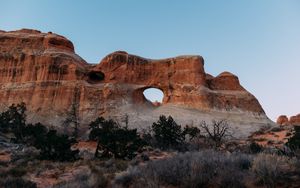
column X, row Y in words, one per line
column 231, row 178
column 241, row 161
column 34, row 133
column 121, row 142
column 86, row 178
column 56, row 147
column 51, row 145
column 17, row 171
column 167, row 134
column 191, row 132
column 16, row 183
column 255, row 148
column 294, row 141
column 216, row 132
column 14, row 120
column 268, row 168
column 196, row 169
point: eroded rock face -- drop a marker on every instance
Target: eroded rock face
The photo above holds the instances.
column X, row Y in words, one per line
column 42, row 70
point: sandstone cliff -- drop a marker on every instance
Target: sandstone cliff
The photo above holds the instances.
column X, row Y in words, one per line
column 43, row 70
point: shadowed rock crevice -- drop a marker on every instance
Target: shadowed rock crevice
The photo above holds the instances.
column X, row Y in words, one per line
column 95, row 76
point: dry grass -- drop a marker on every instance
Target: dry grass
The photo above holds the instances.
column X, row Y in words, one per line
column 197, row 169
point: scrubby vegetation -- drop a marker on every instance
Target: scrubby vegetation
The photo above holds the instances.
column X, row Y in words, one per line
column 166, row 155
column 13, row 120
column 294, row 141
column 167, row 134
column 210, row 168
column 112, row 139
column 52, row 146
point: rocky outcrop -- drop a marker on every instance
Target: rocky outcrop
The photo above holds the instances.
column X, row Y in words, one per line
column 295, row 120
column 43, row 70
column 284, row 120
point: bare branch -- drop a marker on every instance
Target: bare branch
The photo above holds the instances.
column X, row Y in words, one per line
column 217, row 131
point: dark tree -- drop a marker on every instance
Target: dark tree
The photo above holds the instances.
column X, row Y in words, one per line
column 294, row 142
column 255, row 148
column 72, row 119
column 112, row 139
column 167, row 133
column 52, row 146
column 217, row 132
column 14, row 120
column 55, row 147
column 34, row 133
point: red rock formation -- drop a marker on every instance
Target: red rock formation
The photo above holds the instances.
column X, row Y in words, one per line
column 42, row 70
column 282, row 120
column 293, row 120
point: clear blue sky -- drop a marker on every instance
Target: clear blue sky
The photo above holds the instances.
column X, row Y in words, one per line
column 257, row 40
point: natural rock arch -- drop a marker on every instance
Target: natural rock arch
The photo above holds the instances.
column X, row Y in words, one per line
column 43, row 70
column 154, row 95
column 140, row 98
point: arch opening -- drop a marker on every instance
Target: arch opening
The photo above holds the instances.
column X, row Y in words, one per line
column 154, row 95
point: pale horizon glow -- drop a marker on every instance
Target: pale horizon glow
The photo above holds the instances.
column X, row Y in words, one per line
column 259, row 41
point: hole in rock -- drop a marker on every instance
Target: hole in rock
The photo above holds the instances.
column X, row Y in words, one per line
column 96, row 76
column 154, row 95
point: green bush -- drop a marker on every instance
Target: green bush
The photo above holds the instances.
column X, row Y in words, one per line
column 121, row 142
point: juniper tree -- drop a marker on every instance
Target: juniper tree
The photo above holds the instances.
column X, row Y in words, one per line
column 112, row 139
